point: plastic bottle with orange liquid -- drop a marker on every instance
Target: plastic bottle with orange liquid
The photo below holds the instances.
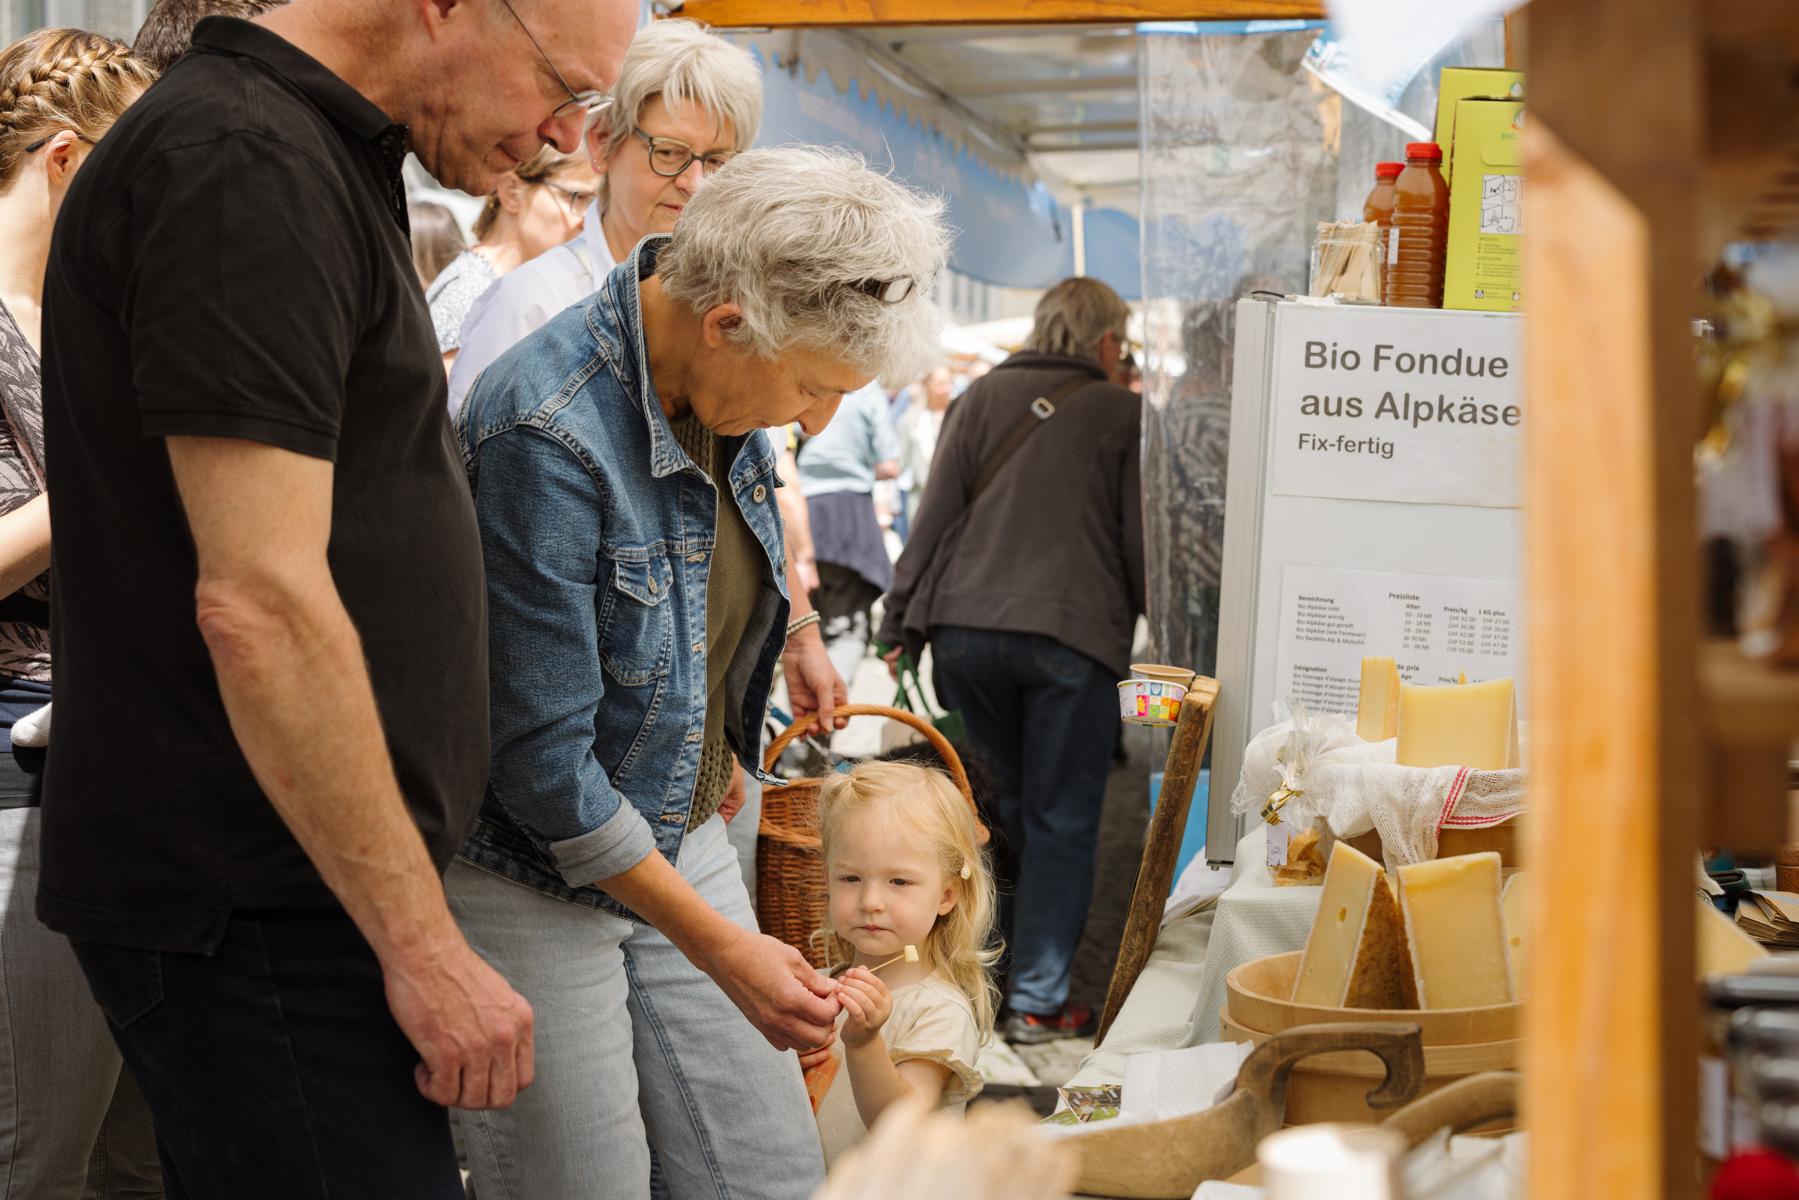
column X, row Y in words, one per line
column 1420, row 241
column 1378, row 209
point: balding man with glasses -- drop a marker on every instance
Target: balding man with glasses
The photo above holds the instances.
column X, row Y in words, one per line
column 687, row 102
column 272, row 731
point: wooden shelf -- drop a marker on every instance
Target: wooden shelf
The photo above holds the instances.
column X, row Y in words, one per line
column 1746, row 703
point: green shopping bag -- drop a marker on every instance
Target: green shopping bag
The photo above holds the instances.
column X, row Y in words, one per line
column 911, row 697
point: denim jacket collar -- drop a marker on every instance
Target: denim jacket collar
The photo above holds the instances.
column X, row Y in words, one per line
column 622, row 295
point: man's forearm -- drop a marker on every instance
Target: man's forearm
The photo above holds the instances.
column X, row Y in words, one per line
column 296, row 689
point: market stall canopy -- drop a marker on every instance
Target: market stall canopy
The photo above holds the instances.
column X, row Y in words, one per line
column 1029, row 130
column 798, row 13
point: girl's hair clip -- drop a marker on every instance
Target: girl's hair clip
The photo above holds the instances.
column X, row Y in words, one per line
column 967, row 869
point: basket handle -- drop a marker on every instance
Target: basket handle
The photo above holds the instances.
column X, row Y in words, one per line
column 951, row 760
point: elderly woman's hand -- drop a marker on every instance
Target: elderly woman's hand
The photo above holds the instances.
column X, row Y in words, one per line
column 735, row 795
column 813, row 684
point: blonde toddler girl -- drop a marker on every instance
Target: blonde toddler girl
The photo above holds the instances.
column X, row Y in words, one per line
column 904, row 867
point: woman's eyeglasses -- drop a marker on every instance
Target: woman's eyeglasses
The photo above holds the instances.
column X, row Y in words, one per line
column 577, row 199
column 669, row 157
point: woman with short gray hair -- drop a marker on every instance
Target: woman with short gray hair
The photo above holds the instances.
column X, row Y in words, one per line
column 624, row 487
column 686, row 102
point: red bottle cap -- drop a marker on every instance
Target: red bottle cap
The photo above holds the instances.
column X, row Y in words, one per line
column 1429, row 150
column 1388, row 170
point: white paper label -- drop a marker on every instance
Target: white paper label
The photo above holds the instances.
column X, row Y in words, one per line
column 1437, row 627
column 1278, row 837
column 1385, row 404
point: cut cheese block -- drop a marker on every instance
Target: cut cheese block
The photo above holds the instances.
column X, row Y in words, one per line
column 1455, row 931
column 1723, row 948
column 1474, row 725
column 1513, row 902
column 1355, row 956
column 1377, row 712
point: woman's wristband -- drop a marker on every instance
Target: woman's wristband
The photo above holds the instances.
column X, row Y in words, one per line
column 811, row 618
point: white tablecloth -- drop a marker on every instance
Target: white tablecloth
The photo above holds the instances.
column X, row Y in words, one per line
column 1176, row 1000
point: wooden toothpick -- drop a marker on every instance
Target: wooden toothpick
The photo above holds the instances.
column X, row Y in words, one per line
column 910, row 954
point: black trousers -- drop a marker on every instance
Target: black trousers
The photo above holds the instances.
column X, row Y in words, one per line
column 273, row 1067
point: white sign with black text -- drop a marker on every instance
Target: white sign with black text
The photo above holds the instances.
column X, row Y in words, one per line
column 1379, row 404
column 1437, row 627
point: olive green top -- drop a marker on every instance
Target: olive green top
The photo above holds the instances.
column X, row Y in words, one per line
column 732, row 586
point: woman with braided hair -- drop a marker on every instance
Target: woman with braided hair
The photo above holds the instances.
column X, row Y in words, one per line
column 60, row 1073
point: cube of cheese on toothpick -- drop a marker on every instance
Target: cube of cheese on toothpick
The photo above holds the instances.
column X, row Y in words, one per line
column 1455, row 931
column 1468, row 725
column 1377, row 711
column 1356, row 954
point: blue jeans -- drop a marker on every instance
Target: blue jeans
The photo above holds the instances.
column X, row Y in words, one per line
column 72, row 1123
column 636, row 1048
column 1043, row 718
column 273, row 1067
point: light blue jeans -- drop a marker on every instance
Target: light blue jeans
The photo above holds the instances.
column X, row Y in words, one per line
column 72, row 1122
column 636, row 1047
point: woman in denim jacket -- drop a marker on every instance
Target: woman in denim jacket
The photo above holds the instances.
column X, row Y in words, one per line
column 617, row 456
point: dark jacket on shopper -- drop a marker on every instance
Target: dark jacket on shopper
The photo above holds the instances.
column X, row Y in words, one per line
column 1054, row 545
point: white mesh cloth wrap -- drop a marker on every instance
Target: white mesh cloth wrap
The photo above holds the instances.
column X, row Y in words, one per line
column 1358, row 787
column 1410, row 806
column 1286, row 754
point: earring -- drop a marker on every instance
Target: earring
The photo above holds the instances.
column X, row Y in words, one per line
column 967, row 870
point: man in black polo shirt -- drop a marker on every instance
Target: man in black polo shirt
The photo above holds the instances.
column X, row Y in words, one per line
column 269, row 623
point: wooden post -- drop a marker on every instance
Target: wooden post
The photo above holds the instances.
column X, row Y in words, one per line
column 1162, row 844
column 1612, row 159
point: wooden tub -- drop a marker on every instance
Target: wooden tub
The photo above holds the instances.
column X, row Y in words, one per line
column 1331, row 1087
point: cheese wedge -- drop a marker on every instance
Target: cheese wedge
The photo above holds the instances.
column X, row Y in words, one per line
column 1377, row 711
column 1723, row 948
column 1455, row 931
column 1471, row 725
column 1513, row 902
column 1355, row 956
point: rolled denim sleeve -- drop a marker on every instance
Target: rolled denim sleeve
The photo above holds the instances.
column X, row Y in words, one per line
column 541, row 524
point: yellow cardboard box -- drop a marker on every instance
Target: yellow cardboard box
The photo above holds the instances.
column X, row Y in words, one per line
column 1485, row 265
column 1456, row 84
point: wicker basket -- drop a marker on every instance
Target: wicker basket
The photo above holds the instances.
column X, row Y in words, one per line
column 790, row 874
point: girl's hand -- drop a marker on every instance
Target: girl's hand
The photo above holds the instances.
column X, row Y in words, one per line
column 867, row 1001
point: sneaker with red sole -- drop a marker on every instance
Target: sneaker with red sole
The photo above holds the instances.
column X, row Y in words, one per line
column 1029, row 1029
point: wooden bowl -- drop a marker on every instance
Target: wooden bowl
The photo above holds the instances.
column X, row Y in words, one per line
column 1332, row 1087
column 1260, row 998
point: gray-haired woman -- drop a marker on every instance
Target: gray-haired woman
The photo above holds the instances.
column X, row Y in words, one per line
column 625, row 491
column 686, row 102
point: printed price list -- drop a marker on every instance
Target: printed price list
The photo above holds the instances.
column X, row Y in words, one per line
column 1495, row 632
column 1322, row 619
column 1461, row 630
column 1438, row 627
column 1416, row 629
